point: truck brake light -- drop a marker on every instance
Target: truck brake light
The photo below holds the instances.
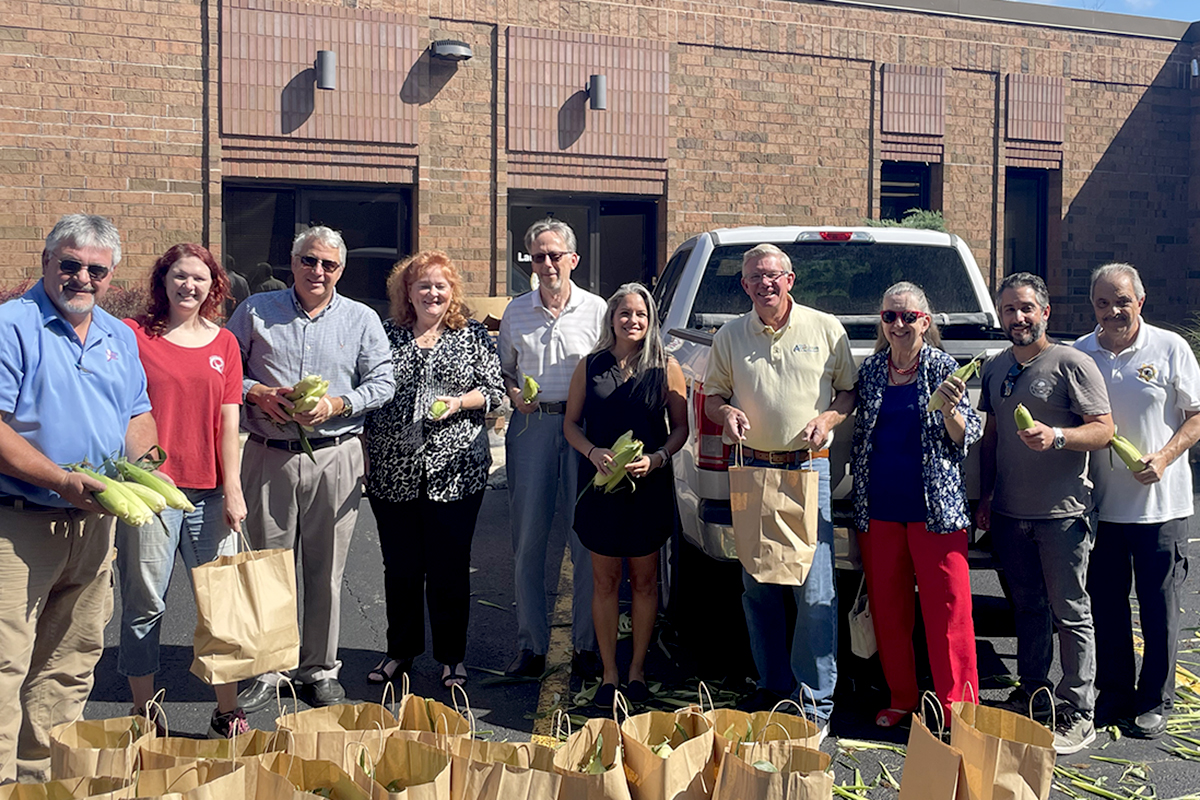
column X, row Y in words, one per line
column 711, row 452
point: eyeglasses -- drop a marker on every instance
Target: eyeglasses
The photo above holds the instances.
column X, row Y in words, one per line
column 909, row 316
column 312, row 262
column 1010, row 380
column 539, row 258
column 766, row 277
column 96, row 272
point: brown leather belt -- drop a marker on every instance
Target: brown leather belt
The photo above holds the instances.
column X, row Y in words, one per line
column 790, row 457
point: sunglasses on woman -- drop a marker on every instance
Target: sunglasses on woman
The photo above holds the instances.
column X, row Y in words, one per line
column 909, row 317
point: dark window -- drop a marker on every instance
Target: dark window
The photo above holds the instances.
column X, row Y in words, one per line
column 664, row 290
column 1026, row 196
column 904, row 186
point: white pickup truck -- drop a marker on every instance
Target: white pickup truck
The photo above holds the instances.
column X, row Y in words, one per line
column 842, row 271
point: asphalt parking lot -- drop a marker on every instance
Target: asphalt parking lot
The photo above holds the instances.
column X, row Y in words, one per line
column 695, row 643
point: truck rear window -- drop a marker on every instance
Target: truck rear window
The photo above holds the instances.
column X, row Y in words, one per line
column 841, row 279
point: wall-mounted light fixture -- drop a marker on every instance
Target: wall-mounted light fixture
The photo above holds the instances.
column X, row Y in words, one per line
column 597, row 92
column 1196, row 67
column 326, row 68
column 450, row 50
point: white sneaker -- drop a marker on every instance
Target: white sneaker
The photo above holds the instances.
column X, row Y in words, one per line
column 1073, row 731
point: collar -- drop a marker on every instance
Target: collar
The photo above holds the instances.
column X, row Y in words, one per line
column 300, row 308
column 762, row 327
column 50, row 312
column 572, row 302
column 1138, row 343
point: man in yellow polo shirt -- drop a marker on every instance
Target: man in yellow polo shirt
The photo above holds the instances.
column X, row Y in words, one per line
column 779, row 380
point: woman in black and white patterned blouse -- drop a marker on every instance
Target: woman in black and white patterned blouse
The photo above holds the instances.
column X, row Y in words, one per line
column 428, row 470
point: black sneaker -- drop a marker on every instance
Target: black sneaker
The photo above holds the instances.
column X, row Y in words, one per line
column 227, row 725
column 759, row 700
column 1018, row 702
column 1073, row 730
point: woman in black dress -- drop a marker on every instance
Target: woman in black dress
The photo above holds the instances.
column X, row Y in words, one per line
column 627, row 383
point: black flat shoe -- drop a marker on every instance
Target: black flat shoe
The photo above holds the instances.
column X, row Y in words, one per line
column 387, row 669
column 605, row 696
column 256, row 696
column 325, row 692
column 637, row 692
column 527, row 664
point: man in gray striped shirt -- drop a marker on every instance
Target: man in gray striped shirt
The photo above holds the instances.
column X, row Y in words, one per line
column 284, row 336
column 543, row 335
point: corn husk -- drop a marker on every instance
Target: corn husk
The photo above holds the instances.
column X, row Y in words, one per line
column 172, row 494
column 1128, row 453
column 626, row 450
column 530, row 389
column 119, row 502
column 963, row 373
column 1023, row 418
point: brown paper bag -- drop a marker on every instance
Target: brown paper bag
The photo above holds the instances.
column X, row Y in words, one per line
column 433, row 718
column 1006, row 756
column 501, row 771
column 70, row 789
column 93, row 748
column 324, row 733
column 774, row 521
column 573, row 756
column 801, row 775
column 689, row 772
column 198, row 780
column 407, row 770
column 246, row 622
column 740, row 727
column 172, row 751
column 283, row 776
column 933, row 770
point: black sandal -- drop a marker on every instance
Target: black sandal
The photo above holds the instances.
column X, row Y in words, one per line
column 454, row 677
column 387, row 669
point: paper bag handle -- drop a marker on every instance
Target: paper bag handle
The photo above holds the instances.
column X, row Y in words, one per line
column 701, row 691
column 931, row 699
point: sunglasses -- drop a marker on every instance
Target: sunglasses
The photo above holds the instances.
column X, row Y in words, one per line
column 97, row 272
column 1010, row 380
column 909, row 317
column 312, row 262
column 539, row 258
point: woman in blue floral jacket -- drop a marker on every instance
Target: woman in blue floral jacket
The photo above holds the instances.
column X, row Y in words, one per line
column 910, row 504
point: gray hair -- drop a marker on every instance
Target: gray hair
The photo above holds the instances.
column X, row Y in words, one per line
column 650, row 372
column 323, row 236
column 1114, row 269
column 1020, row 279
column 933, row 336
column 85, row 230
column 764, row 250
column 551, row 225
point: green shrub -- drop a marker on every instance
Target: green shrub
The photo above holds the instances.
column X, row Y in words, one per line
column 913, row 218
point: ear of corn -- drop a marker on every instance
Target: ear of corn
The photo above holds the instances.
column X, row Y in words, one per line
column 1128, row 453
column 135, row 474
column 120, row 503
column 1023, row 418
column 438, row 408
column 151, row 498
column 529, row 389
column 964, row 373
column 307, row 393
column 625, row 451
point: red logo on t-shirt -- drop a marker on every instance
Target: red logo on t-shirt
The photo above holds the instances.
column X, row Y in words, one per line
column 217, row 363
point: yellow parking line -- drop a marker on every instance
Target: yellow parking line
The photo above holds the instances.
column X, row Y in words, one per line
column 557, row 686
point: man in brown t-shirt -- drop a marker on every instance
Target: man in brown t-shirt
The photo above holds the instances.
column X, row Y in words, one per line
column 1036, row 497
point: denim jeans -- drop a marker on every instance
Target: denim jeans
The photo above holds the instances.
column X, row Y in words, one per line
column 812, row 662
column 145, row 560
column 543, row 474
column 1045, row 563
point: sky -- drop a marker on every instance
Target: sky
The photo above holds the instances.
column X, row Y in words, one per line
column 1186, row 10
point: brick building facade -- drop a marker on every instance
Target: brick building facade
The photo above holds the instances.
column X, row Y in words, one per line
column 1052, row 139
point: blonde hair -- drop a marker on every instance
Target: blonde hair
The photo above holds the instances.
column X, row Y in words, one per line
column 402, row 277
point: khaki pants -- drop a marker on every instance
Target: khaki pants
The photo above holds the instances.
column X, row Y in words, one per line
column 55, row 599
column 293, row 503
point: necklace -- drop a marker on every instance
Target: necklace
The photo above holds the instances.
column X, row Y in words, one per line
column 908, row 371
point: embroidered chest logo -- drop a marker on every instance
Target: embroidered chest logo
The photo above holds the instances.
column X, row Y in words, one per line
column 807, row 348
column 110, row 355
column 217, row 363
column 1147, row 372
column 1041, row 388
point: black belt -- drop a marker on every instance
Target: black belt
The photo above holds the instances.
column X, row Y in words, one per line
column 294, row 446
column 21, row 504
column 553, row 408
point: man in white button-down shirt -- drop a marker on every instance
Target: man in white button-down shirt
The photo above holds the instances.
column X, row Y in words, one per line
column 543, row 335
column 1154, row 387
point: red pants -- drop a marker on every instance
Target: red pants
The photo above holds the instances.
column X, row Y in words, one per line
column 893, row 553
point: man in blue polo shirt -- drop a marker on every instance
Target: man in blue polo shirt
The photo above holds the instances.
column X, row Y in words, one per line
column 71, row 389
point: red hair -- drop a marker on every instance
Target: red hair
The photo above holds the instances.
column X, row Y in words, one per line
column 407, row 272
column 158, row 314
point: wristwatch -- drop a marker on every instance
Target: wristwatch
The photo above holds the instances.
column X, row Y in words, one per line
column 1060, row 441
column 347, row 408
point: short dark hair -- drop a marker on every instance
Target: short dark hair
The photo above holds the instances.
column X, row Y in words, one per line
column 1020, row 279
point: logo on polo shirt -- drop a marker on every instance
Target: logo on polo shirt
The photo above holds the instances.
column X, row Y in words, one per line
column 217, row 363
column 807, row 348
column 1147, row 372
column 110, row 355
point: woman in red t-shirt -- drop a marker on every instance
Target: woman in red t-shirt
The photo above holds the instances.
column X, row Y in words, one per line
column 194, row 378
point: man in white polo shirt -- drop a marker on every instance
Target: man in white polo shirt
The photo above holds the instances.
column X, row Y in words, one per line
column 543, row 335
column 1154, row 387
column 779, row 380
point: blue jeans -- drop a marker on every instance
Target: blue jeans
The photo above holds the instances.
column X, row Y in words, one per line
column 1045, row 563
column 543, row 473
column 812, row 662
column 145, row 560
